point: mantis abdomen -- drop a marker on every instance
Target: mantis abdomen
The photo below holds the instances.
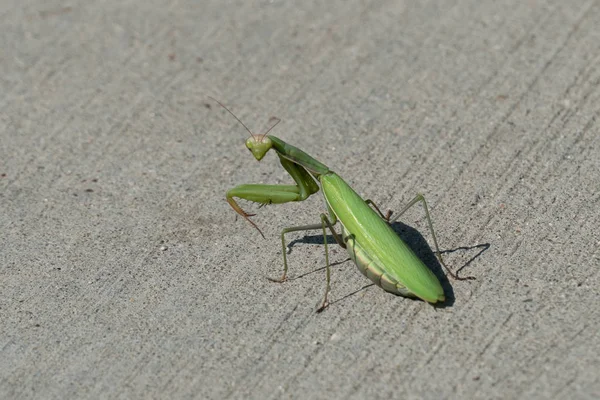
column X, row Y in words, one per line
column 378, row 251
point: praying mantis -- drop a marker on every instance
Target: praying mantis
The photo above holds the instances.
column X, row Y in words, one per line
column 366, row 233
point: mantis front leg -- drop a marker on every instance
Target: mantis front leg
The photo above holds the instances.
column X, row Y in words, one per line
column 274, row 194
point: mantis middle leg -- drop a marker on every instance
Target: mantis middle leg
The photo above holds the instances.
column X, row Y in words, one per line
column 325, row 224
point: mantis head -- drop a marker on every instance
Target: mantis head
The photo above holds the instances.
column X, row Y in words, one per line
column 259, row 145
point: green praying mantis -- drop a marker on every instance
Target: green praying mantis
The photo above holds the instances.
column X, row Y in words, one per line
column 366, row 233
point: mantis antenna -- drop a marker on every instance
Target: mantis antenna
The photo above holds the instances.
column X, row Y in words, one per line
column 257, row 137
column 234, row 116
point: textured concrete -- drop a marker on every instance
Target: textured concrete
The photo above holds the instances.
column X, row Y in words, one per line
column 125, row 274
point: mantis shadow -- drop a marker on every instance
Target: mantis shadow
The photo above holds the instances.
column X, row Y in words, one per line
column 417, row 243
column 313, row 239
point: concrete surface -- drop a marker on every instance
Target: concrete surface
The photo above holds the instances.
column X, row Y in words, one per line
column 125, row 274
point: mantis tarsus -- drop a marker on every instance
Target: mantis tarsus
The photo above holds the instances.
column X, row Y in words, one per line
column 365, row 232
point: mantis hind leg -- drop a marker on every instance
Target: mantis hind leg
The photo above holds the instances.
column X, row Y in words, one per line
column 420, row 198
column 387, row 216
column 324, row 225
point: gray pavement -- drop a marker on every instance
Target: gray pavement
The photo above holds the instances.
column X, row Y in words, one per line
column 125, row 274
